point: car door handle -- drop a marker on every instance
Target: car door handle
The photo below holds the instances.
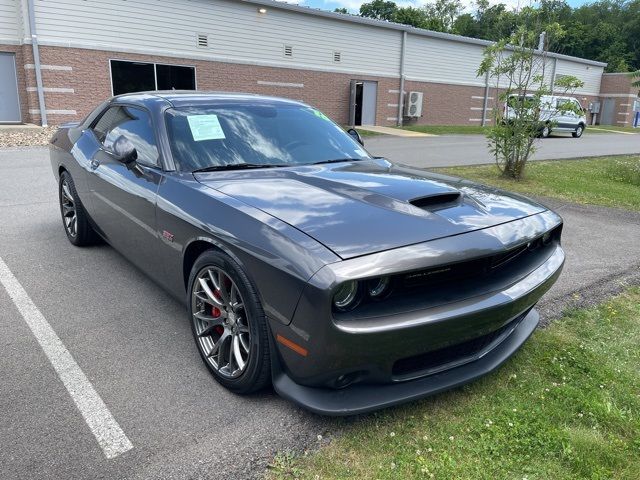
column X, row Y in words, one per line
column 95, row 164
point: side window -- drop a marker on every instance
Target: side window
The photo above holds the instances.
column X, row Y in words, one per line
column 104, row 123
column 135, row 124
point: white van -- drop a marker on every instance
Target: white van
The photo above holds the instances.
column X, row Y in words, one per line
column 554, row 116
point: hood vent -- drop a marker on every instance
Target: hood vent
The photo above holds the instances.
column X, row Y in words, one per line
column 436, row 202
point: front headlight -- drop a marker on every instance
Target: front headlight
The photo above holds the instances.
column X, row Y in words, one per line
column 346, row 296
column 378, row 288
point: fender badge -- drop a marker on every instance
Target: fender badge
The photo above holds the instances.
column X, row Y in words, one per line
column 167, row 236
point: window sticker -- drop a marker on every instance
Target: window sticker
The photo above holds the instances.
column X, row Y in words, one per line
column 205, row 127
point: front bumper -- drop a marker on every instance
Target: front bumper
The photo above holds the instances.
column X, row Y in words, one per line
column 372, row 352
column 361, row 398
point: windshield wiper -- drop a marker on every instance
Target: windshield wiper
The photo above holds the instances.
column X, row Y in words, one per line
column 336, row 160
column 235, row 166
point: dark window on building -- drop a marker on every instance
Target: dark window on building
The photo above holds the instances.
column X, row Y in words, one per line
column 173, row 77
column 135, row 124
column 129, row 77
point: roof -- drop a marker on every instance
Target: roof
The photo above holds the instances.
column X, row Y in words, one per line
column 399, row 26
column 180, row 98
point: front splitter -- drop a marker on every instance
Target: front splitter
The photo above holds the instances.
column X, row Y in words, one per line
column 358, row 399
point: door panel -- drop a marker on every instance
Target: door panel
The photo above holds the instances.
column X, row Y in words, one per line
column 369, row 102
column 9, row 100
column 608, row 107
column 124, row 198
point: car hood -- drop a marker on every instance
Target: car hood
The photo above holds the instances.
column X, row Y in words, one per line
column 361, row 207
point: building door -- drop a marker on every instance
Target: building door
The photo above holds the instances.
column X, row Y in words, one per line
column 9, row 100
column 608, row 112
column 363, row 102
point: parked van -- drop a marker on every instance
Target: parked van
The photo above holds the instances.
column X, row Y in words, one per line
column 558, row 114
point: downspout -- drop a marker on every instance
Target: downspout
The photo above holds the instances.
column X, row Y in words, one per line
column 36, row 62
column 553, row 75
column 485, row 103
column 401, row 94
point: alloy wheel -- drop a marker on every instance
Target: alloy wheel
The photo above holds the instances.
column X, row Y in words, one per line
column 69, row 212
column 220, row 321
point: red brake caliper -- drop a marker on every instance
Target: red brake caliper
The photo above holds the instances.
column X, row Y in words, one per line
column 215, row 313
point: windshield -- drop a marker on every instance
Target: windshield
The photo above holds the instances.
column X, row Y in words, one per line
column 228, row 135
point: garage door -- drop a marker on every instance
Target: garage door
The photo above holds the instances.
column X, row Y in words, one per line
column 9, row 102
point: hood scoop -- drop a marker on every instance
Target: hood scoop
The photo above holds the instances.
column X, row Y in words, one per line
column 437, row 201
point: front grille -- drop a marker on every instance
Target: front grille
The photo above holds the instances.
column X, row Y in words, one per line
column 453, row 355
column 469, row 269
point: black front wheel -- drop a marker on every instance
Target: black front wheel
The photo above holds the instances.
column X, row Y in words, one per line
column 228, row 323
column 545, row 132
column 74, row 217
column 579, row 131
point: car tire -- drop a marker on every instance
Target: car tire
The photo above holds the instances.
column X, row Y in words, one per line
column 545, row 132
column 212, row 316
column 74, row 217
column 579, row 131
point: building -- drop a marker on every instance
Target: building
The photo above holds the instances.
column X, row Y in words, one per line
column 350, row 67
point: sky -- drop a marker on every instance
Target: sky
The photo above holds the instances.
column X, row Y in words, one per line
column 354, row 5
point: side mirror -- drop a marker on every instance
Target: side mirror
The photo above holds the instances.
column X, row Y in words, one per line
column 124, row 151
column 355, row 135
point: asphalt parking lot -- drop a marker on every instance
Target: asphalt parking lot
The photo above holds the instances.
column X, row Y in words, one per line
column 133, row 343
column 450, row 150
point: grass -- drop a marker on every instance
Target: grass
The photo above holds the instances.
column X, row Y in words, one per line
column 448, row 129
column 367, row 133
column 611, row 181
column 610, row 128
column 567, row 406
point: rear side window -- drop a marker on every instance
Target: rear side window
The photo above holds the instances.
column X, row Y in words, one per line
column 133, row 123
column 104, row 123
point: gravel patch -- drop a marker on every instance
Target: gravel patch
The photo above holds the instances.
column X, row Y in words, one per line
column 26, row 137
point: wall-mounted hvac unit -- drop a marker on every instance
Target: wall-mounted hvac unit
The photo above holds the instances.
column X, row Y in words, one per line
column 413, row 104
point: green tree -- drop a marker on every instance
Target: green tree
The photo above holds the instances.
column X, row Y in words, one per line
column 516, row 66
column 341, row 10
column 441, row 15
column 416, row 17
column 379, row 9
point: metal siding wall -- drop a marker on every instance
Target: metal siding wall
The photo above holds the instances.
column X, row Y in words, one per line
column 10, row 20
column 443, row 61
column 237, row 32
column 589, row 74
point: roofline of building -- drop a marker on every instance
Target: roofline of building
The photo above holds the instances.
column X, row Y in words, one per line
column 400, row 27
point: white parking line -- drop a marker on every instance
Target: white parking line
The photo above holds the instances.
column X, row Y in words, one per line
column 104, row 427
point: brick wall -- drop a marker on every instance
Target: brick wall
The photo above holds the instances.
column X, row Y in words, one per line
column 618, row 87
column 84, row 75
column 448, row 104
column 76, row 80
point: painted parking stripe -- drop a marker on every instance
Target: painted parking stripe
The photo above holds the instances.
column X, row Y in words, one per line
column 104, row 427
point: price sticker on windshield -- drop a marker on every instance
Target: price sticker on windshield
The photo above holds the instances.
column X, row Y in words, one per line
column 205, row 127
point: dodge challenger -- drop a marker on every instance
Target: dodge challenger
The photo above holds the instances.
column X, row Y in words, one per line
column 346, row 281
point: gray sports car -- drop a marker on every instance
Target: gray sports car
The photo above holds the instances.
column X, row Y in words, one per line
column 347, row 281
